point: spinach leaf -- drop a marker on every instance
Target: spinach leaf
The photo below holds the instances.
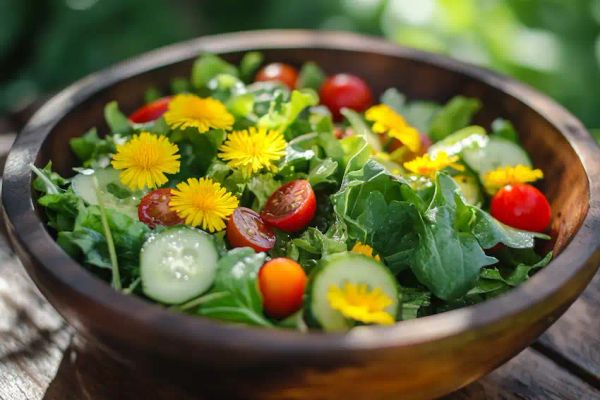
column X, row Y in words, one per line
column 237, row 279
column 455, row 115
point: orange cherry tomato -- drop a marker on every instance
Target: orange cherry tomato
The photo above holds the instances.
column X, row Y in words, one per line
column 291, row 207
column 345, row 90
column 150, row 111
column 521, row 206
column 282, row 282
column 279, row 72
column 154, row 209
column 246, row 228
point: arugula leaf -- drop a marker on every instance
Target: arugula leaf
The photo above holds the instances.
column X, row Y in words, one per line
column 413, row 301
column 237, row 279
column 250, row 64
column 311, row 76
column 455, row 115
column 322, row 171
column 47, row 181
column 116, row 120
column 262, row 186
column 362, row 129
column 417, row 113
column 92, row 150
column 281, row 114
column 207, row 66
column 313, row 245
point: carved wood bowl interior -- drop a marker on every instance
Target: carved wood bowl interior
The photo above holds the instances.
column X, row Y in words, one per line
column 422, row 358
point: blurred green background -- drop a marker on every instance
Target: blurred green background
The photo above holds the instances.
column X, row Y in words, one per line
column 552, row 44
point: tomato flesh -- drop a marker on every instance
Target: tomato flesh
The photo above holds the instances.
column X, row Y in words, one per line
column 282, row 282
column 345, row 90
column 521, row 206
column 291, row 207
column 279, row 72
column 246, row 228
column 154, row 209
column 150, row 111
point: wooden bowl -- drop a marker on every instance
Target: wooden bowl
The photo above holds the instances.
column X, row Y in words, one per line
column 422, row 358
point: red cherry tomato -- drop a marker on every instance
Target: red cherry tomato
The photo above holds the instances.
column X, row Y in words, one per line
column 521, row 206
column 345, row 90
column 282, row 282
column 246, row 228
column 291, row 207
column 280, row 72
column 150, row 111
column 154, row 209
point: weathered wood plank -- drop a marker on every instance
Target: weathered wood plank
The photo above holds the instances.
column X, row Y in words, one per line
column 575, row 338
column 530, row 376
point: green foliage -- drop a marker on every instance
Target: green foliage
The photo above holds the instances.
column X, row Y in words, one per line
column 236, row 280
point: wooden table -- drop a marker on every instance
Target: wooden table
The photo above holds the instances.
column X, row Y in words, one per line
column 42, row 358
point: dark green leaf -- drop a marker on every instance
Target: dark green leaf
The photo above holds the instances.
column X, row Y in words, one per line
column 250, row 64
column 455, row 115
column 311, row 76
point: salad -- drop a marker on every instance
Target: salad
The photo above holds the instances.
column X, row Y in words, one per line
column 286, row 198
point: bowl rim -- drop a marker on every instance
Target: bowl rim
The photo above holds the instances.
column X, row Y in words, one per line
column 30, row 233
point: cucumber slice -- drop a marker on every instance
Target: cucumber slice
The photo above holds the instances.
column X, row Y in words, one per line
column 469, row 186
column 338, row 269
column 114, row 194
column 471, row 137
column 496, row 153
column 178, row 264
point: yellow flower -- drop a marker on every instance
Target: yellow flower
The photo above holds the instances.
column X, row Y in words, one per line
column 428, row 165
column 364, row 249
column 145, row 159
column 253, row 149
column 357, row 302
column 189, row 111
column 500, row 177
column 386, row 120
column 202, row 202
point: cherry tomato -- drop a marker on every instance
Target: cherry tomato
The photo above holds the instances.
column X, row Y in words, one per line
column 282, row 282
column 345, row 90
column 154, row 209
column 246, row 228
column 521, row 206
column 150, row 111
column 280, row 72
column 291, row 207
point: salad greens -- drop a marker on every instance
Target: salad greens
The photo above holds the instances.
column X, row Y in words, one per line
column 313, row 222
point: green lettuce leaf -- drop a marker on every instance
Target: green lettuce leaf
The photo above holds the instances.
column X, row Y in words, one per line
column 208, row 66
column 281, row 114
column 237, row 279
column 455, row 115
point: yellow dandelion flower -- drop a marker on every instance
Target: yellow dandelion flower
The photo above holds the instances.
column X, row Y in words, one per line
column 202, row 202
column 500, row 177
column 386, row 120
column 364, row 249
column 428, row 165
column 189, row 111
column 145, row 159
column 357, row 302
column 253, row 149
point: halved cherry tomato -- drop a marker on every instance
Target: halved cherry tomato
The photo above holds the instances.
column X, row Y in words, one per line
column 150, row 111
column 345, row 90
column 282, row 282
column 246, row 228
column 280, row 72
column 154, row 209
column 521, row 206
column 291, row 207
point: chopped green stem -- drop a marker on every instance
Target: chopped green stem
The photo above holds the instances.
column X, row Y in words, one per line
column 116, row 276
column 133, row 286
column 52, row 188
column 198, row 301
